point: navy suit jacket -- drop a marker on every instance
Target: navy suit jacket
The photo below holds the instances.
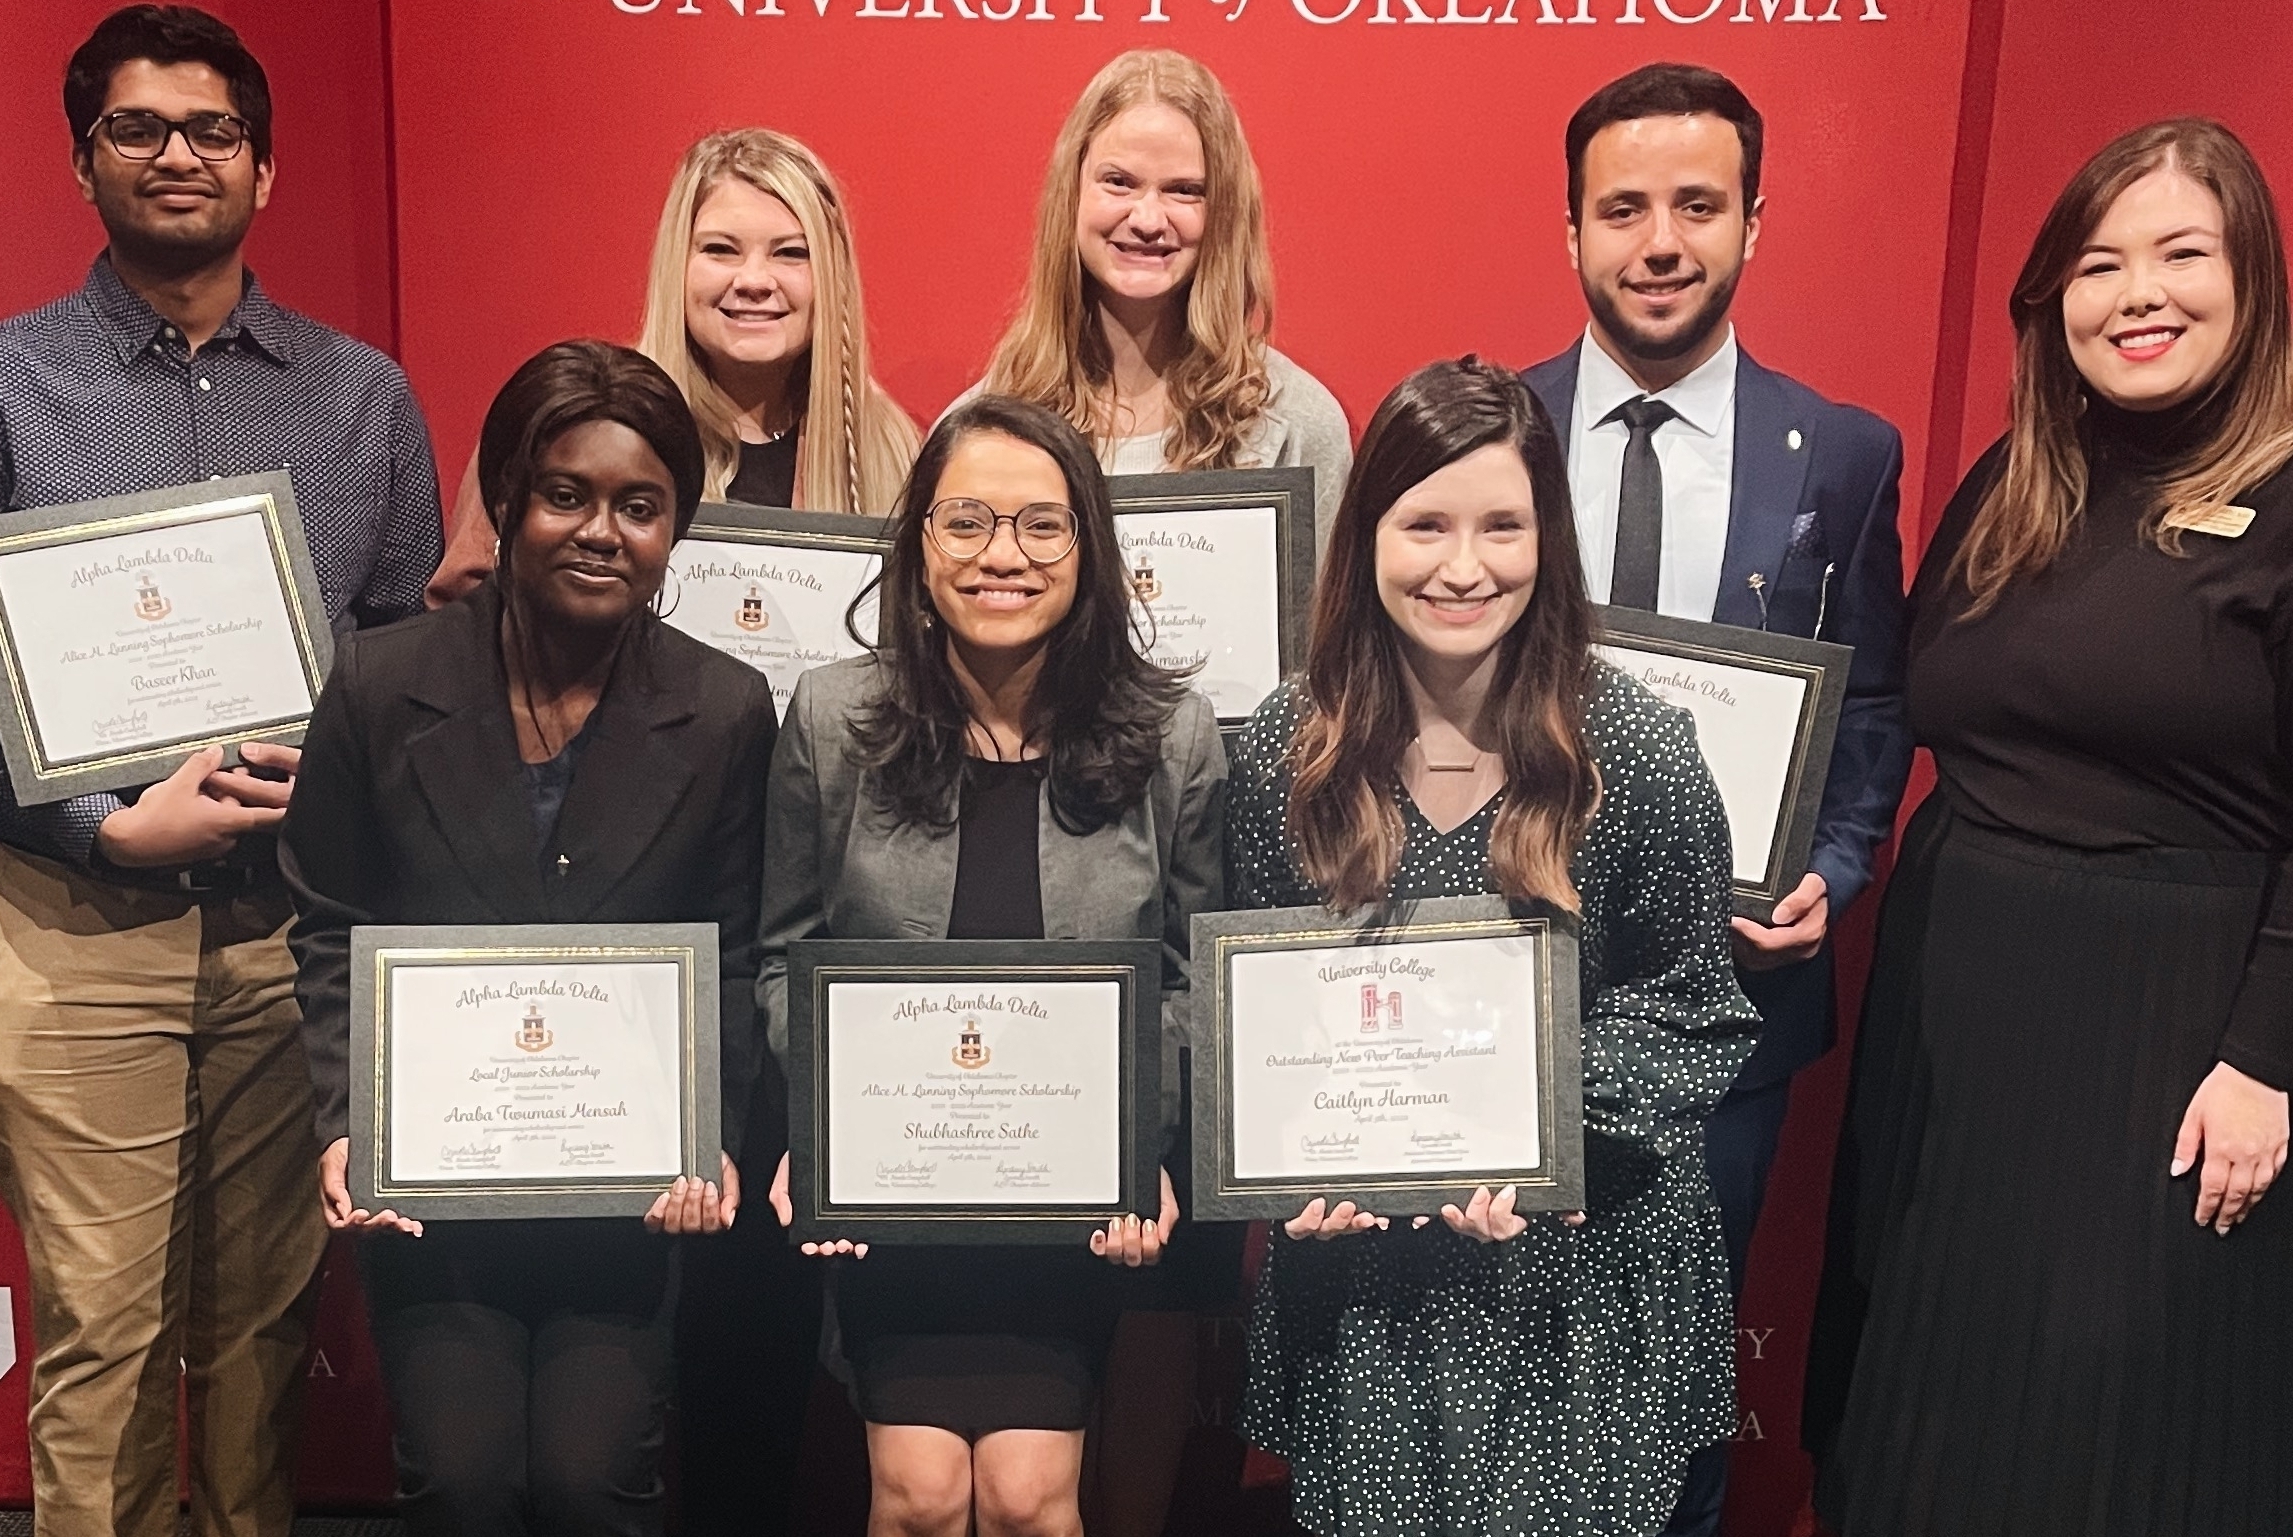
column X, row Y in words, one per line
column 1812, row 510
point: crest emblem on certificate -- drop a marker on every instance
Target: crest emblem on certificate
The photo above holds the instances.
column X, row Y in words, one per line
column 149, row 605
column 1144, row 582
column 752, row 616
column 970, row 1051
column 1379, row 1013
column 533, row 1031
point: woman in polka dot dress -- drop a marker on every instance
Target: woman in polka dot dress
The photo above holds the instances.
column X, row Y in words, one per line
column 1477, row 1372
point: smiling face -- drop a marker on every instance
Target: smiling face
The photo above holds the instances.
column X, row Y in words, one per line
column 594, row 543
column 2151, row 305
column 1662, row 237
column 1457, row 555
column 178, row 212
column 748, row 282
column 999, row 602
column 1139, row 220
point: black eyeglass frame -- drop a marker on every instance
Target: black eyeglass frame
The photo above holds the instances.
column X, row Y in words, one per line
column 107, row 125
column 997, row 520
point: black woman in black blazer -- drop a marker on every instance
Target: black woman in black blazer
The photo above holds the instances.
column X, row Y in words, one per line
column 544, row 751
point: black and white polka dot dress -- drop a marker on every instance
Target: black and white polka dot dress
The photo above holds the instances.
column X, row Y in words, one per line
column 1425, row 1385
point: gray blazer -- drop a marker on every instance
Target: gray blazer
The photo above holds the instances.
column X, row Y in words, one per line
column 836, row 866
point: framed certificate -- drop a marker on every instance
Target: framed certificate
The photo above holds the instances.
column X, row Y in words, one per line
column 1222, row 567
column 531, row 1070
column 973, row 1091
column 1398, row 1058
column 140, row 629
column 1766, row 710
column 773, row 587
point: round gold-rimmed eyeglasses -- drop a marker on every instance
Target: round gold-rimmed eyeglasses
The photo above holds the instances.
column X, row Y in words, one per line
column 962, row 529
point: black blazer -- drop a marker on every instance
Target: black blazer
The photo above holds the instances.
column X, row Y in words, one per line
column 412, row 808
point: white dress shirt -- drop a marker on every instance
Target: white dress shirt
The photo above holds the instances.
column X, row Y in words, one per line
column 1696, row 451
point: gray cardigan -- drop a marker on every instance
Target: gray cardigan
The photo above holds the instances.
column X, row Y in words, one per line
column 836, row 866
column 1302, row 424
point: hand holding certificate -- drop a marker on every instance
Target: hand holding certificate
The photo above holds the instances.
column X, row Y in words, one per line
column 1766, row 709
column 137, row 631
column 1390, row 1062
column 535, row 1071
column 956, row 1091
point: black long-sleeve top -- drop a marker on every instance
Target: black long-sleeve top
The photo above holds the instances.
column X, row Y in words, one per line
column 2127, row 698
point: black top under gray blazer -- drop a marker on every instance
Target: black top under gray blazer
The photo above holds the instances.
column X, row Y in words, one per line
column 411, row 807
column 837, row 866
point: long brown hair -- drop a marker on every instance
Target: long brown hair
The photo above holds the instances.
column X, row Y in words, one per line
column 1356, row 720
column 2028, row 513
column 1055, row 353
column 1100, row 707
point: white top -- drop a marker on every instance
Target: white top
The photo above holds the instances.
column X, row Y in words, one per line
column 1696, row 451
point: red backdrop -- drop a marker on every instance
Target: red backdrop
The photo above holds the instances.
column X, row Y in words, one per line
column 462, row 184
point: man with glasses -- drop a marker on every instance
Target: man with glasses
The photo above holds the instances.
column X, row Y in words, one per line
column 156, row 1141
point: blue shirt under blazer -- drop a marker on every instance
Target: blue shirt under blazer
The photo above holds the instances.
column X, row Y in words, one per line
column 1814, row 490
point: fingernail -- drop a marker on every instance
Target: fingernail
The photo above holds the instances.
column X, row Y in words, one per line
column 2179, row 1167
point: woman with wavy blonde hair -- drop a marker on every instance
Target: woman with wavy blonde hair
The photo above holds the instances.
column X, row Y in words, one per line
column 752, row 304
column 1150, row 295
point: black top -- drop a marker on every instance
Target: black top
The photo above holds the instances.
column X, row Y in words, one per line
column 767, row 473
column 546, row 783
column 2125, row 698
column 998, row 870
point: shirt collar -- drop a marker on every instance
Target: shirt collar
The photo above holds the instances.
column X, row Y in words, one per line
column 134, row 325
column 1703, row 399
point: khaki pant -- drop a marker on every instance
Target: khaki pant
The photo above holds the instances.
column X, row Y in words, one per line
column 156, row 1147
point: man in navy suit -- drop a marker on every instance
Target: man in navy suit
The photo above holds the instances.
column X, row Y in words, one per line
column 1709, row 488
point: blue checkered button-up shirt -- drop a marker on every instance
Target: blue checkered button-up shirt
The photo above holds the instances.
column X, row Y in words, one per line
column 99, row 396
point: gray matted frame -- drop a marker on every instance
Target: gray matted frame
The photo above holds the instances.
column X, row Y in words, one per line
column 1289, row 490
column 36, row 777
column 1557, row 1184
column 1820, row 665
column 816, row 965
column 378, row 949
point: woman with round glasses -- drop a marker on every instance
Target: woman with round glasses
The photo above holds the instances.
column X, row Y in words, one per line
column 752, row 304
column 1150, row 295
column 1006, row 765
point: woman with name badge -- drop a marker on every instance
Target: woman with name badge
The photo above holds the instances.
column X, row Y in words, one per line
column 752, row 304
column 2054, row 1300
column 1005, row 766
column 544, row 750
column 1484, row 1371
column 1150, row 294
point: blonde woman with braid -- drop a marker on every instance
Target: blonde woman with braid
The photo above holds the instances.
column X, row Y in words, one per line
column 752, row 305
column 1150, row 295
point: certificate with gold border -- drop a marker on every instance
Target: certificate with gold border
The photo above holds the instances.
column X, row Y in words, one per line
column 137, row 630
column 1766, row 708
column 1221, row 565
column 973, row 1091
column 782, row 591
column 531, row 1070
column 1398, row 1058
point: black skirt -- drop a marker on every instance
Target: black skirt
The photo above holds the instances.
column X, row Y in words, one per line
column 2021, row 1330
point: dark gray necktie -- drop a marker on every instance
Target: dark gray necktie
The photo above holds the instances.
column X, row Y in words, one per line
column 1639, row 505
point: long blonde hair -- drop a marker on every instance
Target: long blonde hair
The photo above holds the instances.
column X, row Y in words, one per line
column 2026, row 517
column 1055, row 353
column 854, row 443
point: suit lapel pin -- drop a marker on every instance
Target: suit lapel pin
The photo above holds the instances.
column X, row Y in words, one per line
column 1792, row 440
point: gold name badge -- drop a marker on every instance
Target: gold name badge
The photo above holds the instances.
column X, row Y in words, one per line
column 2226, row 521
